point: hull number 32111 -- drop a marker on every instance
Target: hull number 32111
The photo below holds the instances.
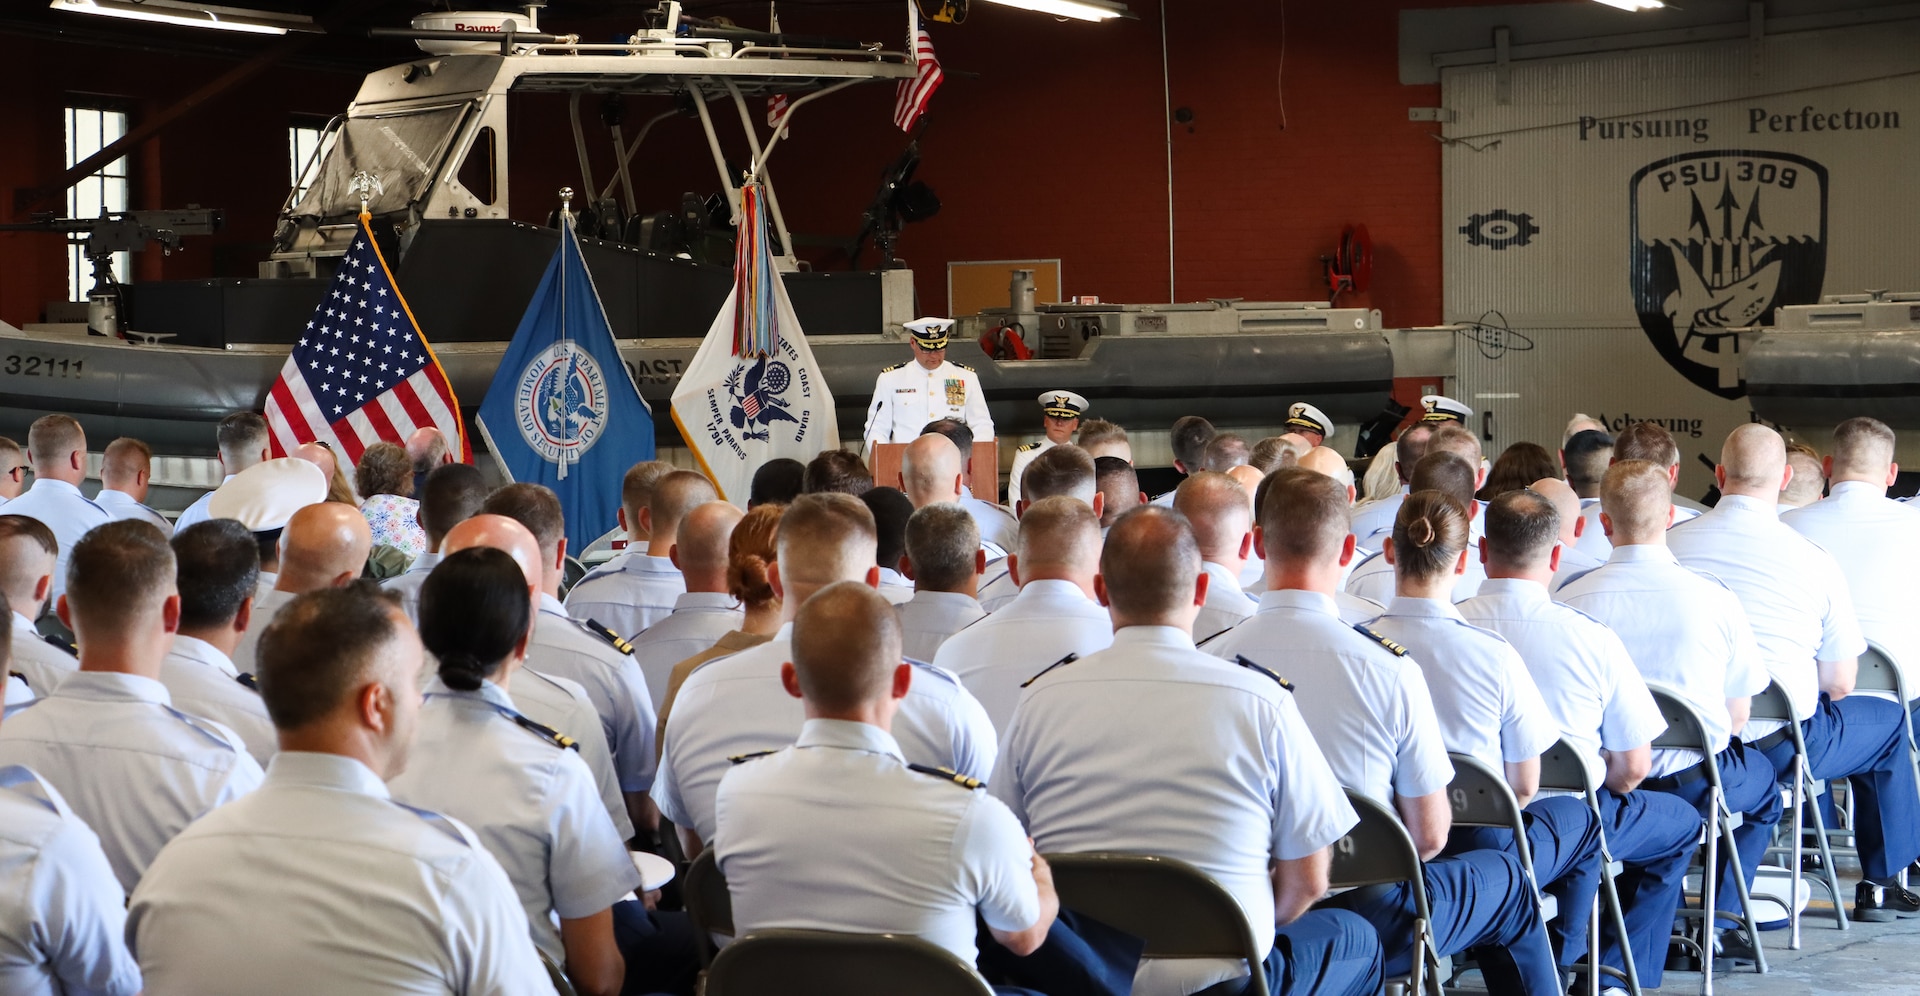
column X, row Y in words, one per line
column 40, row 366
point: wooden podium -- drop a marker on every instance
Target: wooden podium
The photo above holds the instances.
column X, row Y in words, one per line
column 884, row 462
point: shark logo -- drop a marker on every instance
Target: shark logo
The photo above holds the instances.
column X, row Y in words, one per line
column 1719, row 240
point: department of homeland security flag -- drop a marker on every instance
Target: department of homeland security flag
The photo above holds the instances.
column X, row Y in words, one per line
column 563, row 410
column 753, row 392
column 361, row 371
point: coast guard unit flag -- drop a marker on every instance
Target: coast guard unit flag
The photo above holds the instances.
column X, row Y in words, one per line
column 361, row 372
column 753, row 392
column 563, row 410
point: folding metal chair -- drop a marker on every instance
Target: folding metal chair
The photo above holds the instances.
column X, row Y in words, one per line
column 1481, row 798
column 709, row 905
column 1380, row 851
column 1562, row 767
column 1773, row 704
column 828, row 963
column 1687, row 731
column 562, row 986
column 1177, row 909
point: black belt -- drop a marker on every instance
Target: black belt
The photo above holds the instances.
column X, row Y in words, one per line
column 1685, row 776
column 1771, row 740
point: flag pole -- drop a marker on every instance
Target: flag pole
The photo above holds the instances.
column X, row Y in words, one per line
column 566, row 236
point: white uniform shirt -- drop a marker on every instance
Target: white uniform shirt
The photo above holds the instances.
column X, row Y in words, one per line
column 1021, row 457
column 1152, row 747
column 1593, row 540
column 733, row 706
column 1685, row 632
column 1369, row 707
column 1794, row 593
column 136, row 769
column 895, row 587
column 1373, row 520
column 121, row 505
column 698, row 621
column 267, row 603
column 997, row 525
column 530, row 801
column 197, row 512
column 1045, row 622
column 1226, row 604
column 409, row 582
column 562, row 705
column 1573, row 564
column 565, row 648
column 18, row 694
column 931, row 617
column 1488, row 705
column 1373, row 578
column 997, row 586
column 202, row 681
column 43, row 664
column 837, row 833
column 1876, row 541
column 320, row 883
column 63, row 509
column 63, row 916
column 1581, row 668
column 628, row 593
column 906, row 396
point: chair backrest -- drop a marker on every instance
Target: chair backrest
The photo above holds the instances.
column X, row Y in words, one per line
column 1562, row 767
column 826, row 963
column 1177, row 909
column 1772, row 704
column 705, row 891
column 1685, row 729
column 562, row 986
column 1878, row 673
column 1481, row 798
column 1378, row 850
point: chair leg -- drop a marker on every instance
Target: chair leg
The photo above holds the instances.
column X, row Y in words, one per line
column 1747, row 919
column 1826, row 863
column 1798, row 799
column 1709, row 884
column 1610, row 897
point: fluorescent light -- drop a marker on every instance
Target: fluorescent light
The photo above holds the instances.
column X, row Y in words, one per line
column 1635, row 4
column 1085, row 10
column 192, row 15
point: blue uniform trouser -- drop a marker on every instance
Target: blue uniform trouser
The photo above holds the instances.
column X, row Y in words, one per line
column 1861, row 738
column 1653, row 835
column 1564, row 837
column 1325, row 953
column 1481, row 902
column 660, row 949
column 1080, row 957
column 1752, row 790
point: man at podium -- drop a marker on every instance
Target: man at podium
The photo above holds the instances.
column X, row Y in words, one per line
column 907, row 396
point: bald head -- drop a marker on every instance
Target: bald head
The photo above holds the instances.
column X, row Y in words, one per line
column 1149, row 569
column 1753, row 462
column 930, row 470
column 1565, row 502
column 1059, row 540
column 324, row 546
column 1221, row 516
column 1636, row 503
column 1323, row 459
column 1247, row 476
column 846, row 654
column 427, row 448
column 824, row 538
column 499, row 533
column 700, row 544
column 318, row 455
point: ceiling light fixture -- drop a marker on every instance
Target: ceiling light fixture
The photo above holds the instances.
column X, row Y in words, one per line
column 1635, row 4
column 193, row 15
column 1084, row 10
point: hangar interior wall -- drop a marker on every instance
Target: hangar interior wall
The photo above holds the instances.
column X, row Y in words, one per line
column 1621, row 212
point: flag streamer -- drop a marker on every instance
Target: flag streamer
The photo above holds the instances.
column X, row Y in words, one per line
column 756, row 322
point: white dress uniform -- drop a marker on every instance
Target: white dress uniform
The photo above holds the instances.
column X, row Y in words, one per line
column 202, row 681
column 895, row 587
column 1044, row 623
column 267, row 603
column 930, row 618
column 1373, row 578
column 63, row 509
column 1226, row 605
column 734, row 706
column 906, row 396
column 409, row 582
column 999, row 530
column 121, row 505
column 1234, row 781
column 1368, row 706
column 527, row 796
column 1573, row 565
column 1593, row 541
column 1582, row 670
column 628, row 593
column 1021, row 457
column 18, row 694
column 563, row 705
column 997, row 587
column 837, row 833
column 136, row 769
column 1683, row 631
column 321, row 883
column 564, row 647
column 41, row 663
column 1489, row 707
column 63, row 916
column 197, row 512
column 1794, row 593
column 1876, row 540
column 698, row 621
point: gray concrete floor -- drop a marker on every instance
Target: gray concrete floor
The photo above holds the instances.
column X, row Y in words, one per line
column 1865, row 958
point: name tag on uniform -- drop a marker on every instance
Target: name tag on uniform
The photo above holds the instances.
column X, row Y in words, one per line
column 956, row 392
column 906, row 390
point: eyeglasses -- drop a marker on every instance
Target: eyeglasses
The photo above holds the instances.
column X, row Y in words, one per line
column 20, row 471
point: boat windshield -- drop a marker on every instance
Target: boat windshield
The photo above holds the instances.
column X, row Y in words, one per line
column 402, row 148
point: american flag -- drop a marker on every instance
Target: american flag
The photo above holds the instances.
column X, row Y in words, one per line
column 911, row 100
column 361, row 371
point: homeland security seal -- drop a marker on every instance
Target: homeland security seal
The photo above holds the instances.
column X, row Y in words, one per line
column 561, row 402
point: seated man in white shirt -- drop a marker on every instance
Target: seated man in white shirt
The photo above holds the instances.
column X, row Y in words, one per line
column 1221, row 514
column 944, row 561
column 637, row 588
column 13, row 470
column 1062, row 471
column 126, row 475
column 218, row 563
column 704, row 612
column 28, row 553
column 242, row 438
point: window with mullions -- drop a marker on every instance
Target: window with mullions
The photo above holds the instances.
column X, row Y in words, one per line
column 90, row 129
column 307, row 144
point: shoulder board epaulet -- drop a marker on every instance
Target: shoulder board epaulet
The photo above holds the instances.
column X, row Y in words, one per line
column 1070, row 658
column 200, row 726
column 547, row 733
column 963, row 366
column 891, row 369
column 1027, row 447
column 23, row 678
column 1398, row 650
column 597, row 629
column 1251, row 666
column 1216, row 636
column 744, row 758
column 71, row 649
column 964, row 781
column 247, row 681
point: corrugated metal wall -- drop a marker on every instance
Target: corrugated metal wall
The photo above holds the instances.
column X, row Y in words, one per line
column 1622, row 210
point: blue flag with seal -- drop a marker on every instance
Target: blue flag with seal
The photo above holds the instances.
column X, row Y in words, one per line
column 563, row 409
